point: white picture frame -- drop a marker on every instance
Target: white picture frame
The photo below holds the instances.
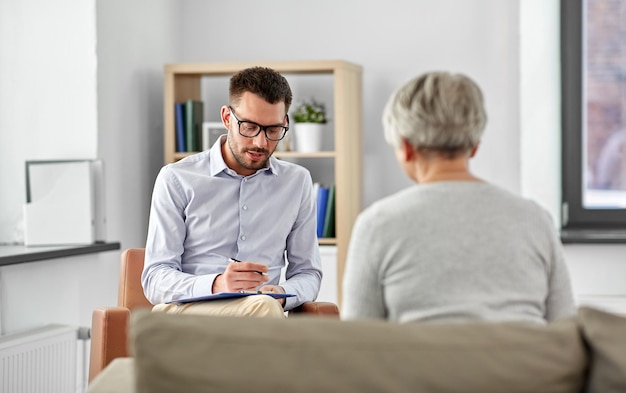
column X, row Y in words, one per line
column 211, row 131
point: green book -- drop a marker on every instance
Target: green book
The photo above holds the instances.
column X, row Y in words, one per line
column 194, row 116
column 329, row 220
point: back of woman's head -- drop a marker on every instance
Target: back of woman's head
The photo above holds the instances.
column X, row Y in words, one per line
column 436, row 111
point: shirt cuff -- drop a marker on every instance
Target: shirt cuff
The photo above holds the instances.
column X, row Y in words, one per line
column 203, row 285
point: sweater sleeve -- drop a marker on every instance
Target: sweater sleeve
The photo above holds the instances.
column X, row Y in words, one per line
column 362, row 295
column 560, row 301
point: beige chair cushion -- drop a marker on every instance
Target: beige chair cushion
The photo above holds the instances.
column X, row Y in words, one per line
column 605, row 333
column 187, row 353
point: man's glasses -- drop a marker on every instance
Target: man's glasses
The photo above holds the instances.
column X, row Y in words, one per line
column 250, row 129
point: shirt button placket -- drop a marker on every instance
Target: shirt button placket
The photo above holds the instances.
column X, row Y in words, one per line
column 243, row 207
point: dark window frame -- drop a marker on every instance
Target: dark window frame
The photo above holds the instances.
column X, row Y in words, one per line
column 579, row 224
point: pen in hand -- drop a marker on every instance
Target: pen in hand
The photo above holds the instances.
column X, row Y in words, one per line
column 237, row 260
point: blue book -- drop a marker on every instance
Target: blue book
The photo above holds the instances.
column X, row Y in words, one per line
column 179, row 113
column 322, row 202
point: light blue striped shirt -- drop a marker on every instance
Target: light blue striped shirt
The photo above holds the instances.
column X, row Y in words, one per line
column 203, row 213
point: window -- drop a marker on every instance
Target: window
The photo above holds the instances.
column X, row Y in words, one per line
column 593, row 69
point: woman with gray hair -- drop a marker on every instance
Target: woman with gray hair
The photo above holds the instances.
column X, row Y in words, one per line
column 451, row 247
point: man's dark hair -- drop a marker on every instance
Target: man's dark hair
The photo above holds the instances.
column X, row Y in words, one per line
column 262, row 81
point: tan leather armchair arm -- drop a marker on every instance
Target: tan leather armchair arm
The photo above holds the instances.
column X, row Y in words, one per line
column 318, row 308
column 109, row 337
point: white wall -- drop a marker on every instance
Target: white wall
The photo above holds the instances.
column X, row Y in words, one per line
column 47, row 93
column 393, row 40
column 48, row 109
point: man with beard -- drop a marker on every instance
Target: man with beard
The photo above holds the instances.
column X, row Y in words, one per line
column 223, row 220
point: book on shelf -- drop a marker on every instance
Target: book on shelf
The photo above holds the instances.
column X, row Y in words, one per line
column 194, row 117
column 179, row 114
column 322, row 200
column 329, row 219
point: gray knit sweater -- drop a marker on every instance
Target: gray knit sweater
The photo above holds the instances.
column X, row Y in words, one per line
column 456, row 251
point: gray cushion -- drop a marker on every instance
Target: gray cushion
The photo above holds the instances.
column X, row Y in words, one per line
column 605, row 334
column 187, row 353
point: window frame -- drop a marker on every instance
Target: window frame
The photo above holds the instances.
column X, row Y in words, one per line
column 574, row 216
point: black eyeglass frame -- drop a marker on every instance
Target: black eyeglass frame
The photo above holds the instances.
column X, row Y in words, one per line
column 261, row 128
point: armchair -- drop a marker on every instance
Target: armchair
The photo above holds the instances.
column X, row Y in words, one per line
column 109, row 325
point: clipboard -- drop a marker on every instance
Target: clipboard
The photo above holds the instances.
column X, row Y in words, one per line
column 229, row 295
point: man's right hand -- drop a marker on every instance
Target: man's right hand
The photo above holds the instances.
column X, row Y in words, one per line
column 241, row 276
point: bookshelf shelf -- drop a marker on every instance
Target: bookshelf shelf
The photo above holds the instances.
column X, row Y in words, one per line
column 327, row 241
column 184, row 82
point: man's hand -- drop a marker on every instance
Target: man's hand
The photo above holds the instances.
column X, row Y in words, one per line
column 274, row 289
column 241, row 276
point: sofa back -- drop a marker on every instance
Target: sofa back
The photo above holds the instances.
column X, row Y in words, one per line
column 605, row 335
column 229, row 354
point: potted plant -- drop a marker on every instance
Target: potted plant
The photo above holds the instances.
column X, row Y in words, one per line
column 310, row 111
column 309, row 118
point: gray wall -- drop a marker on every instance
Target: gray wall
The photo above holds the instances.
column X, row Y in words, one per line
column 135, row 39
column 393, row 40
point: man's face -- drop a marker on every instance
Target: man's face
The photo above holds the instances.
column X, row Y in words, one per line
column 247, row 155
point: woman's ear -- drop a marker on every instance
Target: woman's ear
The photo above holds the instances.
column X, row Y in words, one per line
column 407, row 149
column 473, row 152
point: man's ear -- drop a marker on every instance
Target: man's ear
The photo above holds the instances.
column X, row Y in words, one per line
column 225, row 114
column 473, row 152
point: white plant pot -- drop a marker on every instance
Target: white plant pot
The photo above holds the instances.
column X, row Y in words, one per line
column 308, row 137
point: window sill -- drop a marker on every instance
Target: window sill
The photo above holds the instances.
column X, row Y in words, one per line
column 593, row 236
column 14, row 254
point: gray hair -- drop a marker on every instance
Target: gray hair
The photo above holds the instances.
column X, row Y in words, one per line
column 436, row 111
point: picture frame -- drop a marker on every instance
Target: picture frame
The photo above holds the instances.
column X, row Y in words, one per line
column 211, row 131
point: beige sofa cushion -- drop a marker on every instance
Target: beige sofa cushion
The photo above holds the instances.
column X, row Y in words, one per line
column 117, row 377
column 186, row 353
column 605, row 334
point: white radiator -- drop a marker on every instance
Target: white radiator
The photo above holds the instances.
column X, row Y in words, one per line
column 42, row 360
